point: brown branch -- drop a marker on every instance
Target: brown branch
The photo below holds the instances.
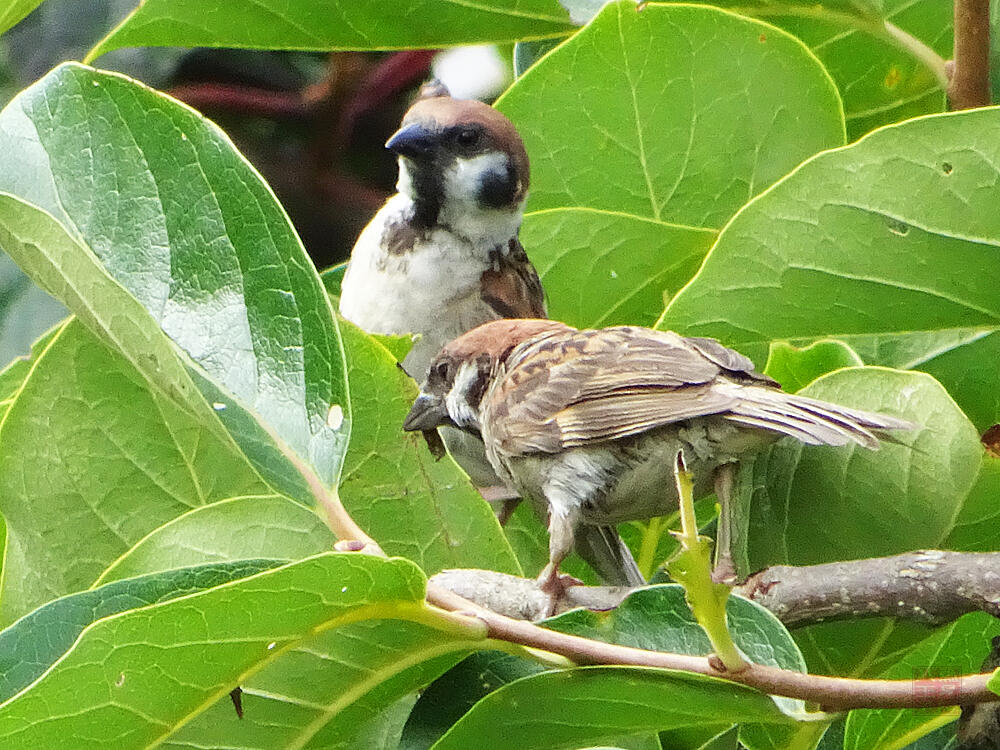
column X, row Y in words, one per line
column 929, row 586
column 832, row 693
column 970, row 71
column 248, row 100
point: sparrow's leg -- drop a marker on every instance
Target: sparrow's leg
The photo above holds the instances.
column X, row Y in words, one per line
column 562, row 522
column 725, row 569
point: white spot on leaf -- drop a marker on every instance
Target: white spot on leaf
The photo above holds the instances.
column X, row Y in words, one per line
column 335, row 417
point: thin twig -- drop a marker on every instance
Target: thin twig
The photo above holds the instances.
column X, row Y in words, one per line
column 970, row 74
column 832, row 693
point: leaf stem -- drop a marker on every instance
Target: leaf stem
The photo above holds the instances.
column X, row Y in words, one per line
column 691, row 567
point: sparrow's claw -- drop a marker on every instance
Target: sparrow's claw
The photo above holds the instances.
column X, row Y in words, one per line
column 555, row 584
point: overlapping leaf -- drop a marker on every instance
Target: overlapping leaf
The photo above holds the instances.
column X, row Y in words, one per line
column 186, row 242
column 91, row 461
column 629, row 181
column 144, row 673
column 956, row 649
column 889, row 245
column 344, row 24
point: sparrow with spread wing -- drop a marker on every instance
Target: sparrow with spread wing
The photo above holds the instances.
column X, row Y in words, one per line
column 589, row 422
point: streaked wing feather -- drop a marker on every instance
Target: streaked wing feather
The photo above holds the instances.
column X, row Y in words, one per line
column 512, row 287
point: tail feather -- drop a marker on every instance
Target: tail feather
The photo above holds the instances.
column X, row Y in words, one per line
column 606, row 553
column 812, row 421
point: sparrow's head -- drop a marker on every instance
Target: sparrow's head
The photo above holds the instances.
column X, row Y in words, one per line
column 460, row 157
column 462, row 371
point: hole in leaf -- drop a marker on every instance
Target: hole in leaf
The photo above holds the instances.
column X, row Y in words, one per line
column 946, row 168
column 898, row 227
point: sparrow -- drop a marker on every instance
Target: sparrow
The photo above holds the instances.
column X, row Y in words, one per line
column 442, row 255
column 588, row 423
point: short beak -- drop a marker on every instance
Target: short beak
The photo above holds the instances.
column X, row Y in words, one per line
column 426, row 413
column 412, row 140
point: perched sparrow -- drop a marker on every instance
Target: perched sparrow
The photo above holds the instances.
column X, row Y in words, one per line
column 442, row 255
column 590, row 422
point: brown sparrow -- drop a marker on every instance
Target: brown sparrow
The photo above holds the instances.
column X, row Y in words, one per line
column 590, row 422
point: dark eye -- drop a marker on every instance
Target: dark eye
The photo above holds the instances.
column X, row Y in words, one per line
column 467, row 137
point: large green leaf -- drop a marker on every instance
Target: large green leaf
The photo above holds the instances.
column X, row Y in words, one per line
column 604, row 268
column 637, row 115
column 956, row 649
column 603, row 703
column 886, row 57
column 814, row 505
column 889, row 245
column 342, row 24
column 141, row 675
column 33, row 644
column 628, row 186
column 185, row 242
column 414, row 505
column 977, row 527
column 233, row 529
column 91, row 461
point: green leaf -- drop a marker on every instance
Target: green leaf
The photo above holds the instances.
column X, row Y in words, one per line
column 658, row 618
column 887, row 57
column 819, row 504
column 626, row 192
column 142, row 674
column 91, row 461
column 605, row 268
column 229, row 530
column 14, row 11
column 33, row 644
column 26, row 312
column 322, row 25
column 185, row 238
column 956, row 649
column 332, row 278
column 636, row 114
column 872, row 242
column 977, row 527
column 796, row 367
column 700, row 738
column 604, row 703
column 348, row 688
column 415, row 506
column 457, row 691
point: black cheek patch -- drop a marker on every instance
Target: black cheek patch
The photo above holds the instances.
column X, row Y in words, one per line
column 498, row 187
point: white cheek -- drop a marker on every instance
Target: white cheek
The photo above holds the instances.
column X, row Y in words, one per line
column 404, row 183
column 462, row 180
column 459, row 409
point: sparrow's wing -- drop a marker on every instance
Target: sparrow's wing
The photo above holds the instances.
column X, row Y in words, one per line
column 572, row 388
column 511, row 287
column 564, row 390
